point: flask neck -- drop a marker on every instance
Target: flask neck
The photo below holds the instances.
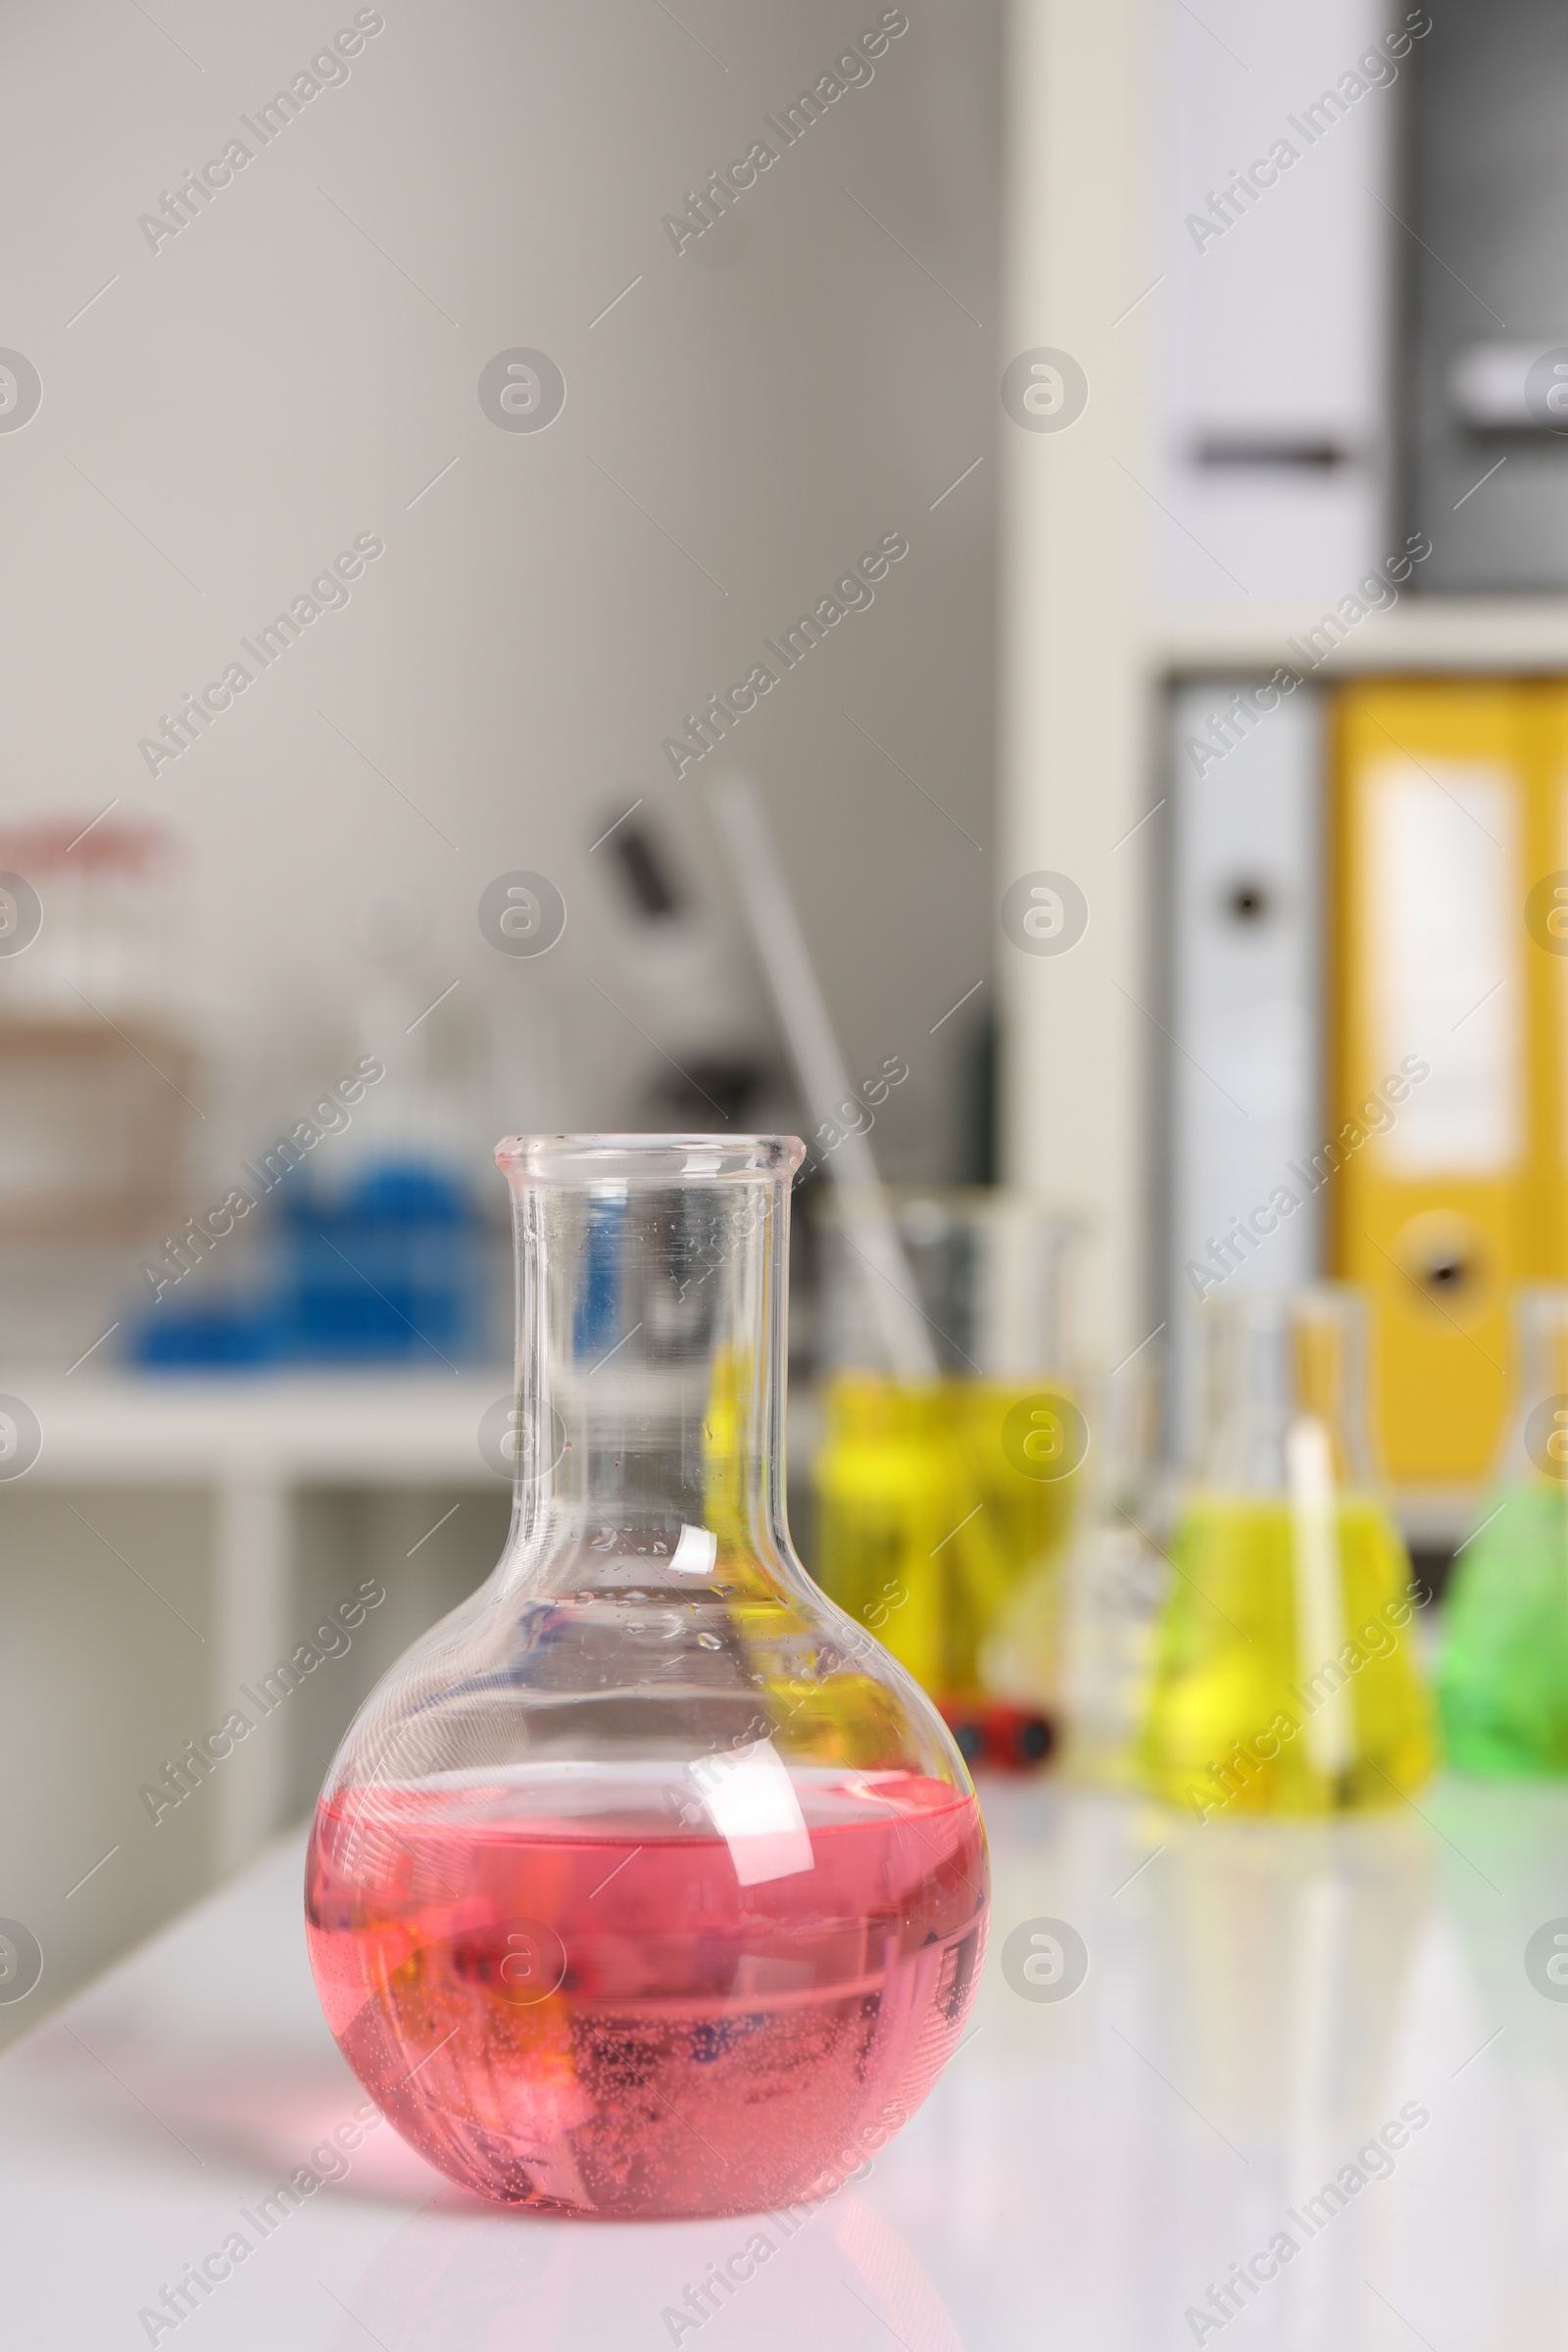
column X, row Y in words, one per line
column 1537, row 1444
column 650, row 1352
column 1287, row 1385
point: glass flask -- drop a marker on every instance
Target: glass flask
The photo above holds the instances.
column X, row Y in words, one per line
column 1502, row 1669
column 1285, row 1678
column 934, row 1497
column 647, row 1884
column 1080, row 1640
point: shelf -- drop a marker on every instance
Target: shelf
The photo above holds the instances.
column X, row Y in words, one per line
column 389, row 1429
column 392, row 1429
column 1467, row 633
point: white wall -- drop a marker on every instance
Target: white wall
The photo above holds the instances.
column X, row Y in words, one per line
column 279, row 378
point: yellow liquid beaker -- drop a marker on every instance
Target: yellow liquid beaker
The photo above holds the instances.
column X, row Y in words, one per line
column 935, row 1497
column 895, row 1523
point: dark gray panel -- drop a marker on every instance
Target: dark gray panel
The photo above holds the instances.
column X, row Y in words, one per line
column 1488, row 202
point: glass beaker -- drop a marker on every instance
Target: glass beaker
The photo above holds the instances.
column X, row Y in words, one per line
column 934, row 1497
column 1502, row 1669
column 645, row 1883
column 1285, row 1680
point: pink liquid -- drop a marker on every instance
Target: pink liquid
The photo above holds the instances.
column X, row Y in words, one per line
column 566, row 1998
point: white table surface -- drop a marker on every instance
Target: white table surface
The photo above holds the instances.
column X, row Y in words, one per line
column 1260, row 1999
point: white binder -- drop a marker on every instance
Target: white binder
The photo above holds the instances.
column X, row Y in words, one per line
column 1245, row 1053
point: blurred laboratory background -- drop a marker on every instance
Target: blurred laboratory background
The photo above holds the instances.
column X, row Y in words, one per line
column 1100, row 480
column 248, row 899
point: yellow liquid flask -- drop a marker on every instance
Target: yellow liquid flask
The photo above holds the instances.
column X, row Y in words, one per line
column 936, row 1498
column 1502, row 1673
column 1285, row 1678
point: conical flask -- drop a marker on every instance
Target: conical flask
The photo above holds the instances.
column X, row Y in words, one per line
column 1502, row 1672
column 1285, row 1680
column 1079, row 1636
column 647, row 1882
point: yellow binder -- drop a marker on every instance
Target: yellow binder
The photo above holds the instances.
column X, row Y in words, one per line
column 1545, row 926
column 1441, row 1076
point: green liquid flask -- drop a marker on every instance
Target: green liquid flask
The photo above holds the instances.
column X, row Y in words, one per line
column 1502, row 1672
column 1285, row 1680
